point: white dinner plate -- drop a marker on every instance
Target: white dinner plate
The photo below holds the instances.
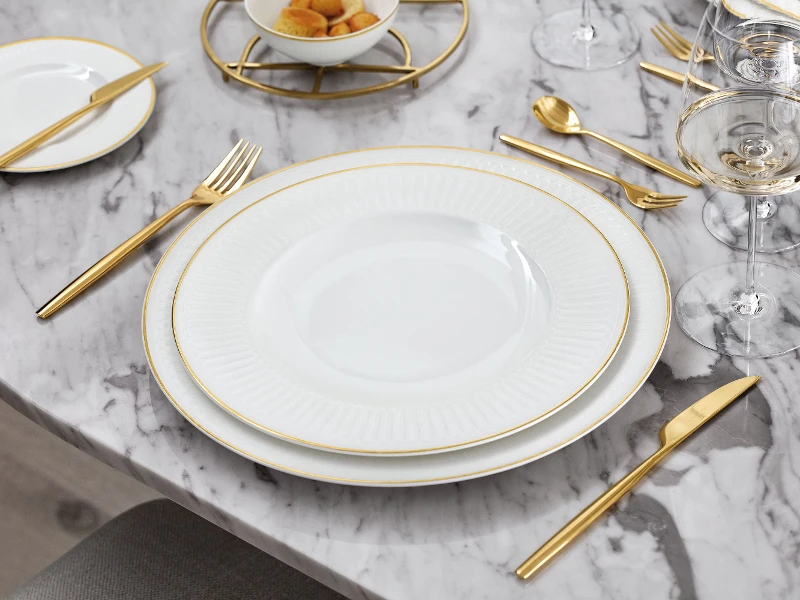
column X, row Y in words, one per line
column 43, row 80
column 400, row 309
column 638, row 354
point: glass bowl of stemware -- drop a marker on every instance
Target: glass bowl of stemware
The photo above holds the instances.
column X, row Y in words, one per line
column 760, row 35
column 739, row 131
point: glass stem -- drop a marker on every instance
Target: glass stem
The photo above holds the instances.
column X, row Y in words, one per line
column 765, row 208
column 748, row 303
column 585, row 31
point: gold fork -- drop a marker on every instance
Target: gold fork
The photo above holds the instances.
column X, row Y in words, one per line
column 638, row 195
column 677, row 45
column 226, row 178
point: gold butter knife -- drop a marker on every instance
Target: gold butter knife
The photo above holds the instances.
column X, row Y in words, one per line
column 101, row 96
column 671, row 434
column 675, row 76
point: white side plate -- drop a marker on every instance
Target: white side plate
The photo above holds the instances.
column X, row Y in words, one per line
column 400, row 309
column 44, row 79
column 638, row 354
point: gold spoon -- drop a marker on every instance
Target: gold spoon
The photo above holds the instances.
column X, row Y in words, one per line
column 559, row 116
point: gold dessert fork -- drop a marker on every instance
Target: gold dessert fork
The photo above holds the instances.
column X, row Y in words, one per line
column 226, row 178
column 638, row 195
column 677, row 45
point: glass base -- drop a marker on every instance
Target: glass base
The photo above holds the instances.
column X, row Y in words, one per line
column 712, row 310
column 562, row 41
column 725, row 216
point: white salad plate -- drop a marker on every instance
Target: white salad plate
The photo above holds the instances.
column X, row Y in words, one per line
column 400, row 309
column 635, row 359
column 43, row 80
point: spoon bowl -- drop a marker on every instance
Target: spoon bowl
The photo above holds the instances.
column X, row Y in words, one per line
column 557, row 115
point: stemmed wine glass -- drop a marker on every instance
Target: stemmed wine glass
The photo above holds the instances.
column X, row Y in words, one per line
column 581, row 38
column 725, row 215
column 743, row 138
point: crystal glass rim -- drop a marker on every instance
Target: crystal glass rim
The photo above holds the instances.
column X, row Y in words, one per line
column 784, row 23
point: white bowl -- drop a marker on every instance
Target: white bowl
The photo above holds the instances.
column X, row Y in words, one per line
column 321, row 52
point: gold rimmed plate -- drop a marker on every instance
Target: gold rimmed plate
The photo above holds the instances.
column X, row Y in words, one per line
column 400, row 309
column 637, row 355
column 43, row 80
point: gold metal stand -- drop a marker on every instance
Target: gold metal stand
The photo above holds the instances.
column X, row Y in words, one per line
column 406, row 73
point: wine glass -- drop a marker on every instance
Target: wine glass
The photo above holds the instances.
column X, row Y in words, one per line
column 580, row 38
column 725, row 215
column 740, row 131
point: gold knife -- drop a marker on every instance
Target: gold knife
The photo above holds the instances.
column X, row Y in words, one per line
column 671, row 434
column 102, row 95
column 675, row 76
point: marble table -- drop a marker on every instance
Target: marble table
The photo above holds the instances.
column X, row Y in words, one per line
column 720, row 518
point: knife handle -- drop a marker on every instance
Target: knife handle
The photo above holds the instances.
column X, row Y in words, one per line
column 671, row 75
column 41, row 137
column 109, row 261
column 646, row 159
column 544, row 555
column 667, row 74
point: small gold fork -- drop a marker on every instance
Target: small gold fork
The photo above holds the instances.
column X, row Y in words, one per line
column 677, row 45
column 226, row 178
column 638, row 195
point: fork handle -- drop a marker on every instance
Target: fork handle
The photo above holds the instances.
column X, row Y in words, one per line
column 109, row 261
column 646, row 159
column 556, row 157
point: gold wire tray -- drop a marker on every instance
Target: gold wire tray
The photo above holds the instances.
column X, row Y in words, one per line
column 406, row 72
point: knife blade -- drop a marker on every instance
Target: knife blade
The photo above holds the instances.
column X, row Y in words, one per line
column 699, row 413
column 672, row 433
column 100, row 96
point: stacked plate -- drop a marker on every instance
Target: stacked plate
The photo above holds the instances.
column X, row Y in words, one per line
column 405, row 316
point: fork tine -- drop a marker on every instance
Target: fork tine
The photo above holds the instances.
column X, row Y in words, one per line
column 661, row 201
column 222, row 178
column 677, row 37
column 646, row 204
column 246, row 173
column 213, row 175
column 660, row 206
column 224, row 187
column 230, row 177
column 671, row 48
column 655, row 196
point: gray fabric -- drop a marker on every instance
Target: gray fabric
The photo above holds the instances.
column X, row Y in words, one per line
column 160, row 551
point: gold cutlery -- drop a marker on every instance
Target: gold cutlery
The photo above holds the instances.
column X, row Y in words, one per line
column 675, row 76
column 557, row 115
column 672, row 433
column 638, row 195
column 677, row 45
column 226, row 178
column 101, row 96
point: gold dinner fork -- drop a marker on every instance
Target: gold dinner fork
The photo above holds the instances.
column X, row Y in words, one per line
column 226, row 178
column 677, row 45
column 638, row 195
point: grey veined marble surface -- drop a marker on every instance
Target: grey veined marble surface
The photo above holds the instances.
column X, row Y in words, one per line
column 720, row 518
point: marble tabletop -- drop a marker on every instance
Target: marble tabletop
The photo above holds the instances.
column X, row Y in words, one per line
column 719, row 519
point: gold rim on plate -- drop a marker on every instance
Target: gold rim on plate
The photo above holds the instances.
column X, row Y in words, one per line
column 764, row 3
column 115, row 145
column 459, row 476
column 581, row 388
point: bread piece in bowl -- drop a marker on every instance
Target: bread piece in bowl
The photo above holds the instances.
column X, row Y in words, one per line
column 301, row 22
